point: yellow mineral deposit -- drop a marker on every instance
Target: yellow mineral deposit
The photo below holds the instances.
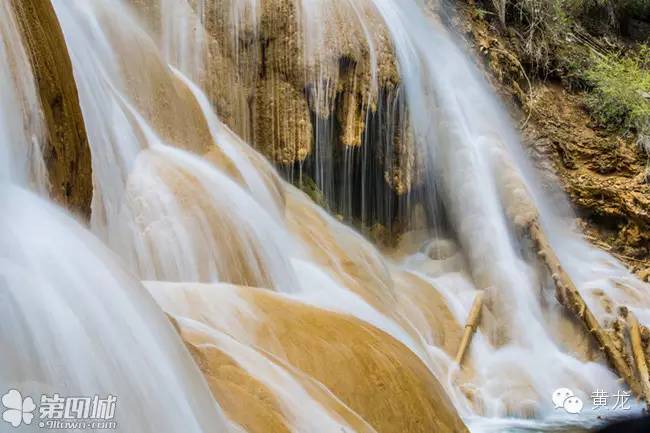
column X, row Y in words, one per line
column 172, row 115
column 372, row 374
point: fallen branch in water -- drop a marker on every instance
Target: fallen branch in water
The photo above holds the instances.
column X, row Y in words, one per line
column 522, row 212
column 638, row 354
column 568, row 295
column 470, row 328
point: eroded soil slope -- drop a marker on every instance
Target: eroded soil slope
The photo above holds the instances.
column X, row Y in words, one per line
column 602, row 171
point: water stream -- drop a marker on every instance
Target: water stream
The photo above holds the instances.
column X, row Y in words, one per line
column 184, row 204
column 75, row 322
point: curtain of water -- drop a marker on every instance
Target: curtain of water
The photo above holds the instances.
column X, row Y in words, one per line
column 177, row 217
column 251, row 34
column 349, row 176
column 143, row 206
column 74, row 323
column 21, row 119
column 467, row 142
column 220, row 213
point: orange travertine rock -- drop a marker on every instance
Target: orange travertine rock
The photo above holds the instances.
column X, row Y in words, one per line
column 373, row 374
column 223, row 244
column 244, row 399
column 418, row 297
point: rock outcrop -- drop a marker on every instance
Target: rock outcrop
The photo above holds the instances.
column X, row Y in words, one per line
column 66, row 151
column 376, row 379
column 320, row 59
column 314, row 89
column 283, row 129
column 601, row 172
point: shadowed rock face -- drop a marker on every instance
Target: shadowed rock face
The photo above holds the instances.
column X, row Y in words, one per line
column 66, row 152
column 316, row 89
column 327, row 64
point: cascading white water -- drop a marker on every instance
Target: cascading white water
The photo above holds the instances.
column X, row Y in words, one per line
column 224, row 216
column 21, row 120
column 468, row 142
column 468, row 138
column 166, row 205
column 182, row 40
column 75, row 324
column 146, row 219
column 232, row 146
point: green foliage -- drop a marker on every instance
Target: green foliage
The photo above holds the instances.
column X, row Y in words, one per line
column 540, row 22
column 481, row 13
column 620, row 96
column 554, row 40
column 550, row 12
column 572, row 40
column 544, row 27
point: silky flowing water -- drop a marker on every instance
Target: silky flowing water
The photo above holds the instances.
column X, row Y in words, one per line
column 74, row 321
column 186, row 206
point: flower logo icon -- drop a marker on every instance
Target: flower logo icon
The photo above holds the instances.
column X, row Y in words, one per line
column 18, row 410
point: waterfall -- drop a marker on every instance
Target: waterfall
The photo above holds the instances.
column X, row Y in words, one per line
column 78, row 325
column 466, row 136
column 142, row 201
column 469, row 148
column 75, row 323
column 21, row 120
column 297, row 322
column 471, row 145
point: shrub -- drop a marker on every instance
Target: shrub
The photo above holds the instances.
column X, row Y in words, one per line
column 621, row 94
column 537, row 24
column 621, row 90
column 572, row 60
column 544, row 26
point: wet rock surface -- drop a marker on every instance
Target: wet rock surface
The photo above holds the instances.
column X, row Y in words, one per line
column 66, row 151
column 316, row 93
column 358, row 373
